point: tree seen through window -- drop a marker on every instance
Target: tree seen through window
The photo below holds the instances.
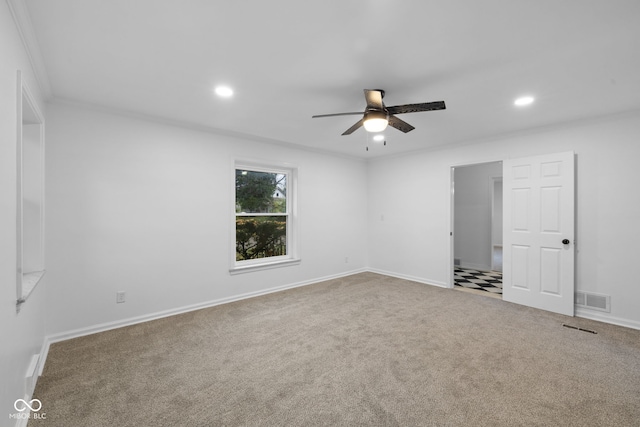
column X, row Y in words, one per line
column 261, row 214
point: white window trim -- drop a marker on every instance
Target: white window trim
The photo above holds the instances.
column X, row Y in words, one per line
column 292, row 257
column 26, row 281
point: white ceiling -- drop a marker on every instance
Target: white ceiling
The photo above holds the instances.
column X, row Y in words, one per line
column 289, row 59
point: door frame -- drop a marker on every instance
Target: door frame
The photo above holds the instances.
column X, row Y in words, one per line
column 452, row 217
column 494, row 180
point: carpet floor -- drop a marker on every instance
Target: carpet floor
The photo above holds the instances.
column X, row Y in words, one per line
column 363, row 350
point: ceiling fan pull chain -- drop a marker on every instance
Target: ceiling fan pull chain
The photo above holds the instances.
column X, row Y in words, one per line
column 366, row 141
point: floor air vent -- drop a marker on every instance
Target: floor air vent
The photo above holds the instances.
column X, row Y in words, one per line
column 593, row 301
column 579, row 329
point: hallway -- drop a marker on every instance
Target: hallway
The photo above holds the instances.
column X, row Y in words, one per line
column 485, row 281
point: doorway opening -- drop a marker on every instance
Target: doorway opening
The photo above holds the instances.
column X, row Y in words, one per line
column 476, row 203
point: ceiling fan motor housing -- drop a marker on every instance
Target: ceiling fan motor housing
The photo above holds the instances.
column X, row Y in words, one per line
column 375, row 114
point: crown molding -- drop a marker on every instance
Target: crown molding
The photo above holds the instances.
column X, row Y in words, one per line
column 20, row 14
column 116, row 111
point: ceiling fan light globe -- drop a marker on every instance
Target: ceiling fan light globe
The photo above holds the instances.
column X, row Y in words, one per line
column 375, row 125
column 375, row 121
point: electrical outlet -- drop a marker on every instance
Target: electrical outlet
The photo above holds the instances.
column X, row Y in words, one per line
column 120, row 297
column 346, row 260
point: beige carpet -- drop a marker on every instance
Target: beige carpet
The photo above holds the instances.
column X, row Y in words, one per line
column 361, row 350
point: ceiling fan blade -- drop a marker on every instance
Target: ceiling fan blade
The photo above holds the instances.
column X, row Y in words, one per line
column 400, row 124
column 335, row 114
column 354, row 127
column 414, row 108
column 374, row 99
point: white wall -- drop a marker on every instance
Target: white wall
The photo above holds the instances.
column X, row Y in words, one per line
column 473, row 214
column 413, row 193
column 147, row 208
column 21, row 334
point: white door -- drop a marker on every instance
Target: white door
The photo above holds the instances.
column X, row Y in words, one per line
column 538, row 237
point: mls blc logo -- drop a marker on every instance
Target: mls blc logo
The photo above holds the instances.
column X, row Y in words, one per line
column 34, row 405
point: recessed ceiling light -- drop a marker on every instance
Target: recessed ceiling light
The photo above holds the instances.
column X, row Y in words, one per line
column 224, row 91
column 378, row 137
column 523, row 100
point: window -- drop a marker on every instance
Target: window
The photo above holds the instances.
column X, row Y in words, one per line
column 264, row 217
column 30, row 193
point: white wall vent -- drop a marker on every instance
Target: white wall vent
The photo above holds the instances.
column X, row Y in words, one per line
column 593, row 301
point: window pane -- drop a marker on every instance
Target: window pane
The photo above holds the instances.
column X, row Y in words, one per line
column 260, row 237
column 260, row 192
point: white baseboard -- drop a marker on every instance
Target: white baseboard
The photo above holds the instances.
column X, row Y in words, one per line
column 412, row 278
column 606, row 318
column 473, row 266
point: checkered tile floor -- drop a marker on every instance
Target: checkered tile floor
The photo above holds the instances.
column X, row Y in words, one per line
column 490, row 281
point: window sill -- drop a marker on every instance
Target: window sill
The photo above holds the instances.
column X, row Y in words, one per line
column 263, row 266
column 29, row 282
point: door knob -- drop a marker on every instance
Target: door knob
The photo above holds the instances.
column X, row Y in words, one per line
column 565, row 242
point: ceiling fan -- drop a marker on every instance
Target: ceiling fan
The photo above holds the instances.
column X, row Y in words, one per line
column 377, row 116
